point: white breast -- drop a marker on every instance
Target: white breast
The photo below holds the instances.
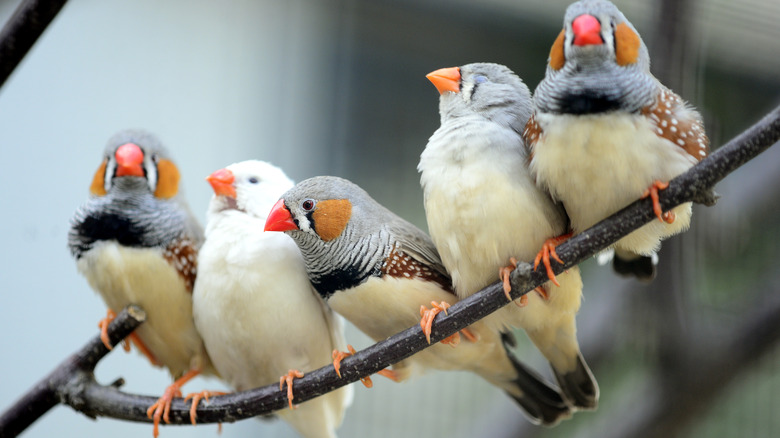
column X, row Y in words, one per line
column 382, row 307
column 598, row 164
column 260, row 317
column 141, row 276
column 482, row 206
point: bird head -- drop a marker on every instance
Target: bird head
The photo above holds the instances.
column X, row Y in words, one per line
column 250, row 187
column 595, row 32
column 136, row 160
column 487, row 90
column 339, row 229
column 319, row 208
column 598, row 63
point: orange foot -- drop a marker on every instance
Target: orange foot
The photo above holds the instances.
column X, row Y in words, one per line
column 547, row 251
column 426, row 323
column 103, row 325
column 652, row 192
column 288, row 378
column 162, row 407
column 196, row 398
column 338, row 356
column 504, row 275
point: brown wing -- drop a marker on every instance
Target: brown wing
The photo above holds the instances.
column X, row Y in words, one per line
column 182, row 254
column 402, row 265
column 675, row 121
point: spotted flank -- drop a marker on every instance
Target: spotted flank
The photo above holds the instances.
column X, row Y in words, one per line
column 532, row 134
column 675, row 121
column 182, row 254
column 401, row 265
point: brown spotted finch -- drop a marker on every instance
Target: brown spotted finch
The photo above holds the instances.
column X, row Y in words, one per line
column 377, row 270
column 606, row 132
column 136, row 242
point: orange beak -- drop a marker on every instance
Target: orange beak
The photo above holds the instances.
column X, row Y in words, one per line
column 279, row 219
column 445, row 79
column 129, row 158
column 587, row 30
column 222, row 183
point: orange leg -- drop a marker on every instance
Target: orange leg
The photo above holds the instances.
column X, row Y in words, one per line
column 652, row 192
column 288, row 378
column 196, row 398
column 162, row 407
column 469, row 335
column 547, row 251
column 139, row 344
column 542, row 292
column 339, row 355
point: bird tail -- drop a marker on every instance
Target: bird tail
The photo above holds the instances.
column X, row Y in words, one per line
column 629, row 264
column 540, row 401
column 579, row 386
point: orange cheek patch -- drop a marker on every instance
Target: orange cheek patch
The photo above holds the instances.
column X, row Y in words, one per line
column 167, row 180
column 627, row 44
column 331, row 217
column 98, row 187
column 557, row 58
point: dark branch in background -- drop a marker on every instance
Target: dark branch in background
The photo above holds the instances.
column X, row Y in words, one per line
column 57, row 386
column 695, row 185
column 22, row 30
column 715, row 363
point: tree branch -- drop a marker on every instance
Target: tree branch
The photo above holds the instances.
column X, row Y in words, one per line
column 695, row 185
column 22, row 30
column 50, row 390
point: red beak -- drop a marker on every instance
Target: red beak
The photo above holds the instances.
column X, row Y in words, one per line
column 587, row 30
column 279, row 219
column 445, row 79
column 129, row 158
column 222, row 183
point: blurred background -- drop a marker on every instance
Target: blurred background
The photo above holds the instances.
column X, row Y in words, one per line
column 338, row 87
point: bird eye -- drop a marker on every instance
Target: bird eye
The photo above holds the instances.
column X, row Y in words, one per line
column 480, row 79
column 253, row 180
column 308, row 204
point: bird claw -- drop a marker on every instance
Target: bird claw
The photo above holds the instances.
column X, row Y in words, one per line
column 162, row 407
column 505, row 274
column 547, row 251
column 288, row 379
column 103, row 326
column 338, row 356
column 426, row 320
column 652, row 192
column 366, row 381
column 196, row 398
